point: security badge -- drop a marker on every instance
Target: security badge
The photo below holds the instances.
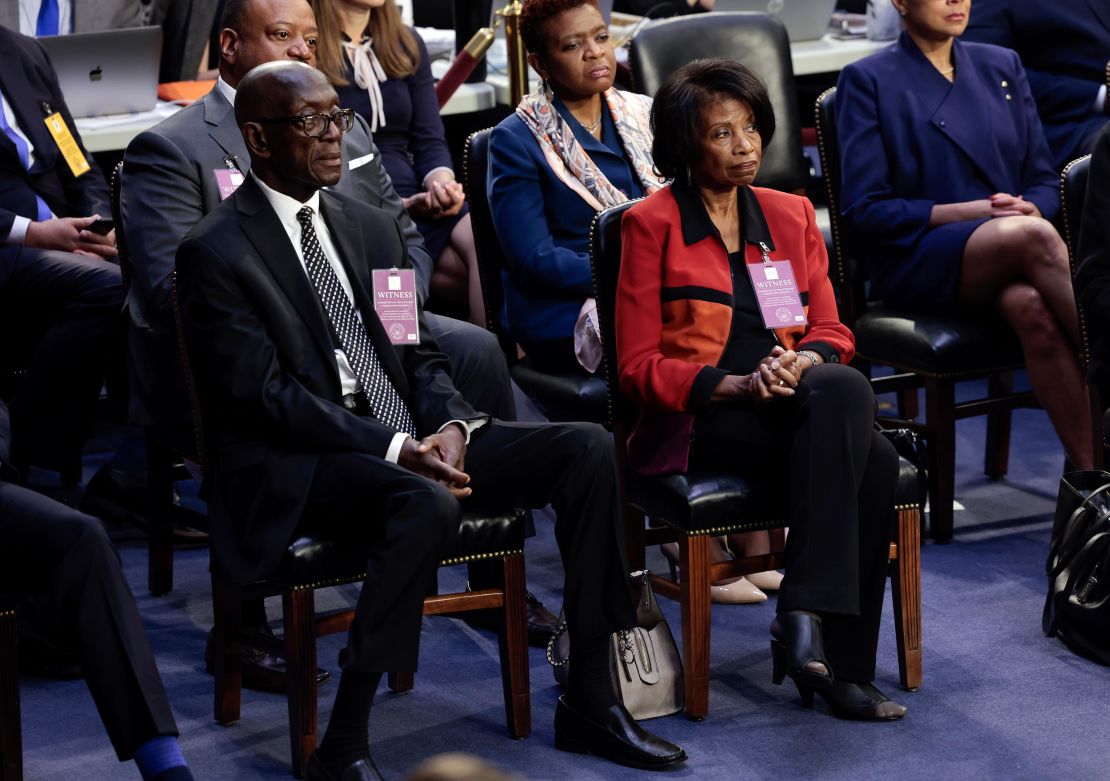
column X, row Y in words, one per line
column 776, row 291
column 59, row 131
column 229, row 177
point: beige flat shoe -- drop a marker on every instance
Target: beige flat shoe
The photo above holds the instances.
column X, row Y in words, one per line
column 736, row 592
column 769, row 580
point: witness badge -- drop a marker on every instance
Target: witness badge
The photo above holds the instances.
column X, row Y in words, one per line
column 228, row 180
column 395, row 303
column 776, row 291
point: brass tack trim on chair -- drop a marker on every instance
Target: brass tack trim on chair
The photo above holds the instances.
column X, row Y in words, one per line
column 834, row 211
column 480, row 557
column 326, row 583
column 1071, row 239
column 752, row 526
column 961, row 375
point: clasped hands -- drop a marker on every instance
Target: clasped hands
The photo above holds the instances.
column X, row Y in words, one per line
column 443, row 198
column 439, row 457
column 776, row 377
column 1006, row 205
column 71, row 234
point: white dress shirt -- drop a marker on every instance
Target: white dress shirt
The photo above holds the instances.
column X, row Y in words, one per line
column 19, row 224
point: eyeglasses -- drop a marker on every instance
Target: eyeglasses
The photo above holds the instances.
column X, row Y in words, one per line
column 316, row 125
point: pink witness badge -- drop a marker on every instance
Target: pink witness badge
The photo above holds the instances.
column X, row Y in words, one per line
column 228, row 180
column 780, row 303
column 395, row 303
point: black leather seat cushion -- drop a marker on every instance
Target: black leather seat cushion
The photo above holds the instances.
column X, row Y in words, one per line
column 941, row 344
column 699, row 501
column 572, row 395
column 312, row 559
column 718, row 502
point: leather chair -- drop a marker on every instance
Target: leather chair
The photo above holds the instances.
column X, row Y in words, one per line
column 926, row 349
column 167, row 450
column 699, row 505
column 11, row 741
column 756, row 40
column 313, row 562
column 565, row 396
column 1073, row 191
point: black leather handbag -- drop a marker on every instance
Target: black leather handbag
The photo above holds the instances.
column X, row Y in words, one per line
column 1077, row 609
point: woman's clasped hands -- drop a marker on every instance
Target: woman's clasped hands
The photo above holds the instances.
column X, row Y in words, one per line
column 776, row 376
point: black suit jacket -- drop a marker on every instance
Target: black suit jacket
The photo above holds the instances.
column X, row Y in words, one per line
column 264, row 361
column 28, row 81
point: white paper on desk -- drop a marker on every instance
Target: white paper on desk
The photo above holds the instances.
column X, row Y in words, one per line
column 161, row 110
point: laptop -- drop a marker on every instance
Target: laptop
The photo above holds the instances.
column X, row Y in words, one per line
column 805, row 20
column 109, row 72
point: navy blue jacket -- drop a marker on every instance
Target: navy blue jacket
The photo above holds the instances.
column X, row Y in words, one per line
column 544, row 226
column 909, row 139
column 1064, row 46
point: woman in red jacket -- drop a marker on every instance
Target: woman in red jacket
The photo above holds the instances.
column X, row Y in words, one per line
column 728, row 339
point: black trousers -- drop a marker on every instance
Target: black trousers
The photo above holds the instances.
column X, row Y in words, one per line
column 408, row 523
column 51, row 549
column 838, row 479
column 478, row 367
column 58, row 313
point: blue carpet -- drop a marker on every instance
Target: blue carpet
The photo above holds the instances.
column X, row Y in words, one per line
column 999, row 700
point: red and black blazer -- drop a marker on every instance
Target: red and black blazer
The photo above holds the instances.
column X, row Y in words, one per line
column 674, row 304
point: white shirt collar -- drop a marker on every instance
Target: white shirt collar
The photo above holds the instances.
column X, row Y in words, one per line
column 286, row 207
column 226, row 90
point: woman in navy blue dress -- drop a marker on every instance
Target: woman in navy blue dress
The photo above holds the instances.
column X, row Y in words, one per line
column 381, row 69
column 948, row 188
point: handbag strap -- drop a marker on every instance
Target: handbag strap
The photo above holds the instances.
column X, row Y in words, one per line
column 551, row 659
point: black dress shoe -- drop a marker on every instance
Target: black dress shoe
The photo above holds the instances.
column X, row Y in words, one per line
column 619, row 739
column 541, row 621
column 262, row 671
column 361, row 770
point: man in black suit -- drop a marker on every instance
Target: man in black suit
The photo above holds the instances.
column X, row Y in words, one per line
column 51, row 549
column 1065, row 48
column 319, row 421
column 59, row 297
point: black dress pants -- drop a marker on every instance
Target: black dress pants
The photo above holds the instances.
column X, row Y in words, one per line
column 408, row 523
column 838, row 479
column 478, row 367
column 48, row 548
column 58, row 313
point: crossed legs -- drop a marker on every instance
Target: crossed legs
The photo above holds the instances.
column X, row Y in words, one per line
column 1020, row 266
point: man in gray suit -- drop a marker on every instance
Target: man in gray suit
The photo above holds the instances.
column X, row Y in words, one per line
column 172, row 177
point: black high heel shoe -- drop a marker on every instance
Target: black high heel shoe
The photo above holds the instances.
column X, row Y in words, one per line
column 795, row 646
column 857, row 702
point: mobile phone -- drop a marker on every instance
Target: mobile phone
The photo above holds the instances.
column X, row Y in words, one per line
column 103, row 226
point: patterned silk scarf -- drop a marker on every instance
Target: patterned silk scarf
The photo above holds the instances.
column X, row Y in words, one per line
column 368, row 75
column 570, row 162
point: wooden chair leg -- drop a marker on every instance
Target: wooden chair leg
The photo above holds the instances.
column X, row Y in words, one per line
column 908, row 408
column 400, row 682
column 996, row 458
column 634, row 537
column 11, row 740
column 940, row 399
column 227, row 672
column 513, row 642
column 694, row 560
column 299, row 618
column 905, row 593
column 159, row 476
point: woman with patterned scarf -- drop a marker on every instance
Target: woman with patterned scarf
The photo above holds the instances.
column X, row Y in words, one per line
column 576, row 147
column 380, row 68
